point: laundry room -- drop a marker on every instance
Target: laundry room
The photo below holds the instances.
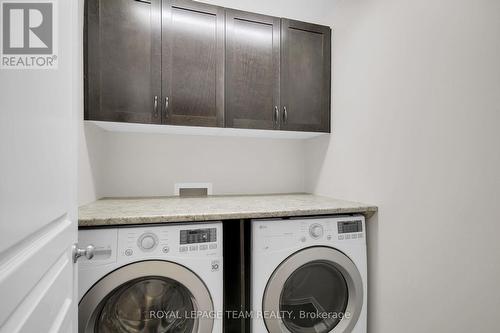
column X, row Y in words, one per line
column 280, row 166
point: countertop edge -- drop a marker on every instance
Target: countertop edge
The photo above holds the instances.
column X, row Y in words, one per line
column 367, row 211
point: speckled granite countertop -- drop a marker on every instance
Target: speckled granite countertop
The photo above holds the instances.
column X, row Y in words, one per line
column 120, row 211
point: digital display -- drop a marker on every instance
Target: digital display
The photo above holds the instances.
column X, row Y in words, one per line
column 194, row 236
column 350, row 226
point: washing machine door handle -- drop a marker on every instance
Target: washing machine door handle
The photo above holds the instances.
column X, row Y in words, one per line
column 87, row 252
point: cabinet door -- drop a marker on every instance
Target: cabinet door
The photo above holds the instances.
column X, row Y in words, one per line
column 305, row 76
column 192, row 63
column 122, row 73
column 252, row 70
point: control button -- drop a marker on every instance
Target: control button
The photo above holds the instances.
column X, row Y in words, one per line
column 341, row 237
column 316, row 231
column 193, row 248
column 147, row 241
column 203, row 247
column 212, row 246
column 329, row 237
column 347, row 236
column 129, row 252
column 361, row 236
column 165, row 249
column 183, row 249
column 302, row 239
column 354, row 236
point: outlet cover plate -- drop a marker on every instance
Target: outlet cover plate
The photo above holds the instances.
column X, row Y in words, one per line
column 178, row 186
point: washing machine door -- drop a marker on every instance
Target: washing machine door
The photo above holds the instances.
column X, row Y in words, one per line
column 147, row 297
column 316, row 290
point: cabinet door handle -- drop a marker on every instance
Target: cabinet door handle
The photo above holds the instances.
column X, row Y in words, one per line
column 285, row 115
column 276, row 115
column 156, row 106
column 166, row 106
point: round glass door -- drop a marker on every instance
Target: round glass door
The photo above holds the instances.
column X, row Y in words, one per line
column 316, row 290
column 314, row 298
column 147, row 297
column 134, row 307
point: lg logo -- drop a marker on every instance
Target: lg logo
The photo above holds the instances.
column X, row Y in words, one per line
column 28, row 38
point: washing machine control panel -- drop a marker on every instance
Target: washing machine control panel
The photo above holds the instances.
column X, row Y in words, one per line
column 104, row 242
column 170, row 240
column 195, row 236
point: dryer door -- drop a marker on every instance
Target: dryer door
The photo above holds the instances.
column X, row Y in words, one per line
column 315, row 290
column 147, row 296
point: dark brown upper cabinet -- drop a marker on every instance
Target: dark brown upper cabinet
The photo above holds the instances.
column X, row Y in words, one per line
column 182, row 62
column 252, row 70
column 305, row 76
column 123, row 61
column 192, row 63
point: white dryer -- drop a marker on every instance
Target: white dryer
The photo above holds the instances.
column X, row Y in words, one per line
column 309, row 275
column 164, row 278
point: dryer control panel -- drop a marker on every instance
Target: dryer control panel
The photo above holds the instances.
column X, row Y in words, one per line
column 350, row 229
column 269, row 235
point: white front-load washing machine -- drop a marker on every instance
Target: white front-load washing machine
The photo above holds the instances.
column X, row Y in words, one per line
column 309, row 275
column 165, row 278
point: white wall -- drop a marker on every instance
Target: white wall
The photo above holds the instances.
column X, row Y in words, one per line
column 134, row 164
column 91, row 160
column 315, row 11
column 150, row 164
column 416, row 131
column 112, row 164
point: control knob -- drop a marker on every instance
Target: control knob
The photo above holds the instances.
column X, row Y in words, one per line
column 316, row 231
column 147, row 242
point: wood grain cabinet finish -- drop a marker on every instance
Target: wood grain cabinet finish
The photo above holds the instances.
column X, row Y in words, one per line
column 192, row 63
column 123, row 59
column 252, row 70
column 305, row 76
column 183, row 62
